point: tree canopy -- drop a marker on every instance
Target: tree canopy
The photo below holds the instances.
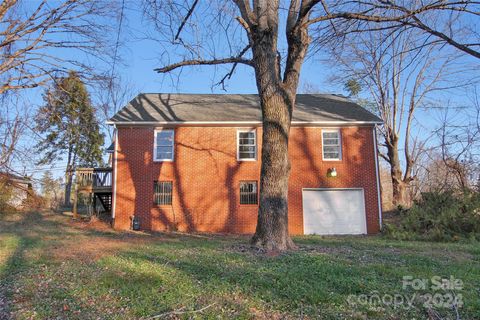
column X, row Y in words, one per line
column 69, row 127
column 69, row 124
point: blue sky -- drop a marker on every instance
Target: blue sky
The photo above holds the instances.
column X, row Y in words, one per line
column 141, row 57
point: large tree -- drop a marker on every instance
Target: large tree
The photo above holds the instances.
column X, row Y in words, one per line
column 205, row 33
column 399, row 70
column 40, row 39
column 69, row 127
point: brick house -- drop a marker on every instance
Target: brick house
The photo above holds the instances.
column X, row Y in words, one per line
column 191, row 162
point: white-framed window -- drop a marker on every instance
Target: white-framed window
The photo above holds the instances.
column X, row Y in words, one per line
column 247, row 145
column 331, row 144
column 248, row 192
column 164, row 145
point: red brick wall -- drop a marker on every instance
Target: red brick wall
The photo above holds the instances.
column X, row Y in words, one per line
column 206, row 177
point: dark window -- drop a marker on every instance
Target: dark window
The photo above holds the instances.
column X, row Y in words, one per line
column 162, row 192
column 248, row 192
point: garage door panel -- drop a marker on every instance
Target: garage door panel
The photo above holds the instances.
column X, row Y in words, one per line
column 334, row 211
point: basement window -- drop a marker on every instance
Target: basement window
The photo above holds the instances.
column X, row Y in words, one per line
column 163, row 146
column 331, row 144
column 248, row 192
column 162, row 191
column 246, row 145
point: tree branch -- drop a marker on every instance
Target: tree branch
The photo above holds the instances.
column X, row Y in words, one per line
column 292, row 15
column 246, row 11
column 201, row 62
column 465, row 48
column 406, row 17
column 184, row 21
column 28, row 40
column 232, row 70
column 356, row 16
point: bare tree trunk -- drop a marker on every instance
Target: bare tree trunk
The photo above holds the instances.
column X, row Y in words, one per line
column 68, row 187
column 68, row 178
column 277, row 99
column 272, row 225
column 399, row 186
column 400, row 192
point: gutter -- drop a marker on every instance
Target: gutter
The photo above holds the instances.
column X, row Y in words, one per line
column 380, row 214
column 238, row 123
column 114, row 196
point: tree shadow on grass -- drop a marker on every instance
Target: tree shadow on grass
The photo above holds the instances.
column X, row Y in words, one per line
column 292, row 282
column 51, row 266
column 25, row 233
column 31, row 276
column 173, row 271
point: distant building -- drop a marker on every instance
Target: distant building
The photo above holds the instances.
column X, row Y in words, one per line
column 21, row 188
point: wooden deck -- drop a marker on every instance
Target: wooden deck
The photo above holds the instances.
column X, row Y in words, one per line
column 96, row 180
column 97, row 183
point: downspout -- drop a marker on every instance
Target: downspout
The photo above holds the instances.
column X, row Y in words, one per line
column 379, row 198
column 114, row 196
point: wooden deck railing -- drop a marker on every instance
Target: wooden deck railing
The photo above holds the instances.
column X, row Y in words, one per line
column 94, row 179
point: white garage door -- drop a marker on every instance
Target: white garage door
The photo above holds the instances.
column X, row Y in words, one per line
column 334, row 211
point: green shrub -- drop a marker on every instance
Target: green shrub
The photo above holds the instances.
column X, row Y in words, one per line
column 443, row 216
column 395, row 232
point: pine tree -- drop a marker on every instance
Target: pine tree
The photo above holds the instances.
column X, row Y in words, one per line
column 69, row 127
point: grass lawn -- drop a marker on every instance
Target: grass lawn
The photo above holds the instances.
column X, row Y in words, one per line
column 53, row 268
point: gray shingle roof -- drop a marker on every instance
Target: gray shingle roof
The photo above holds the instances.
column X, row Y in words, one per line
column 156, row 107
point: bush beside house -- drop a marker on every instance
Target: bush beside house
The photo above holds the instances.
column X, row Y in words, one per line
column 439, row 216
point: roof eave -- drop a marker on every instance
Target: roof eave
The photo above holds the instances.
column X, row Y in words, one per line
column 238, row 123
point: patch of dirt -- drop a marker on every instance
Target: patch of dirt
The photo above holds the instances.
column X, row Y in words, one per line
column 245, row 248
column 93, row 224
column 89, row 249
column 98, row 239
